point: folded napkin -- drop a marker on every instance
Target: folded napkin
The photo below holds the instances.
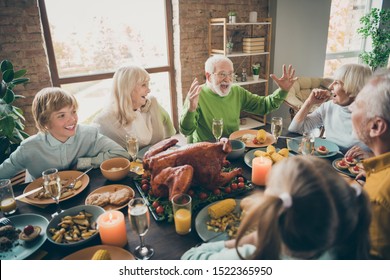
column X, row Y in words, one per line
column 136, row 167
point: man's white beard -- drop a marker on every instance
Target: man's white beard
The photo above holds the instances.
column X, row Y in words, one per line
column 216, row 88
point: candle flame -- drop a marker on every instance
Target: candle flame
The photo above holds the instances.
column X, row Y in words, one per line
column 110, row 216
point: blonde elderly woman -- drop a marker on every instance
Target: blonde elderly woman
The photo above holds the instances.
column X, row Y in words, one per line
column 131, row 111
column 334, row 114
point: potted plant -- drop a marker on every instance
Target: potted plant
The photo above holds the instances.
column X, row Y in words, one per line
column 232, row 17
column 11, row 117
column 376, row 25
column 256, row 71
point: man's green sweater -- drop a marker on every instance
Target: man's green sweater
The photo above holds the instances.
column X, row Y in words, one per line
column 198, row 124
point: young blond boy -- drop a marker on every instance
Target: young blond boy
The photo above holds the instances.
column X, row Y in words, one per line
column 60, row 143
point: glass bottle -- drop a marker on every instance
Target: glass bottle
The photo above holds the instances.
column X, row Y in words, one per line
column 243, row 75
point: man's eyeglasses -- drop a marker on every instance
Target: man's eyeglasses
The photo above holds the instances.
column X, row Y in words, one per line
column 223, row 75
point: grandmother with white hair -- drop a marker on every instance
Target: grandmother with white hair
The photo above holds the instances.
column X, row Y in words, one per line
column 221, row 98
column 333, row 112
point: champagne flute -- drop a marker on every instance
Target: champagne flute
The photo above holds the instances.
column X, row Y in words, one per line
column 217, row 128
column 276, row 127
column 52, row 185
column 307, row 144
column 132, row 146
column 140, row 220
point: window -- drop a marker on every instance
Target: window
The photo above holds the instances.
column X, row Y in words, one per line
column 95, row 38
column 344, row 43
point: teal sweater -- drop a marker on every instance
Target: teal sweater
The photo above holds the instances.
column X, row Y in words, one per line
column 198, row 124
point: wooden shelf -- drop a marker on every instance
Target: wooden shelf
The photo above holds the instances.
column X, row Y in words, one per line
column 222, row 25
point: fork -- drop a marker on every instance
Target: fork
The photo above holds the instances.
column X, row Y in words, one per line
column 227, row 227
column 73, row 183
column 5, row 222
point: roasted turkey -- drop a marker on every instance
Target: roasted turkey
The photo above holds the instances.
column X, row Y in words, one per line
column 174, row 171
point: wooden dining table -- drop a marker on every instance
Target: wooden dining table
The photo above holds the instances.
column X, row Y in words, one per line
column 167, row 244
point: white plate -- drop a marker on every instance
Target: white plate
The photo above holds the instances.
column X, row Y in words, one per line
column 293, row 145
column 203, row 217
column 111, row 189
column 23, row 249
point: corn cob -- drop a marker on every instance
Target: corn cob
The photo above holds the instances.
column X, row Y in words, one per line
column 261, row 135
column 271, row 149
column 101, row 254
column 276, row 157
column 222, row 208
column 284, row 152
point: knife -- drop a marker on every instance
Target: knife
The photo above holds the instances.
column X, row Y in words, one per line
column 28, row 193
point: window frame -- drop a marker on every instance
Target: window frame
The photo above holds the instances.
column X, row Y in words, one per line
column 169, row 68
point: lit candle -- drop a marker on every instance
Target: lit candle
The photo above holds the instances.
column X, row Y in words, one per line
column 260, row 169
column 112, row 228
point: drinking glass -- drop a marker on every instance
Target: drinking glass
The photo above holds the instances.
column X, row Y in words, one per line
column 8, row 203
column 140, row 220
column 132, row 146
column 217, row 128
column 181, row 204
column 307, row 144
column 52, row 185
column 276, row 127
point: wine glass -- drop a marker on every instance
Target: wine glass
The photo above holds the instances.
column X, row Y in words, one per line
column 217, row 128
column 140, row 220
column 276, row 127
column 132, row 146
column 307, row 144
column 52, row 185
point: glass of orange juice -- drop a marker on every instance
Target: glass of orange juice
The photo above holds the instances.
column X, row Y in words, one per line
column 181, row 204
column 7, row 198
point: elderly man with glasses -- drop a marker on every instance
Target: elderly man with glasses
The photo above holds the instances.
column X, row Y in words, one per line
column 220, row 98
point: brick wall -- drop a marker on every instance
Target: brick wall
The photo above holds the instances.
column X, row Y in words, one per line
column 21, row 41
column 191, row 34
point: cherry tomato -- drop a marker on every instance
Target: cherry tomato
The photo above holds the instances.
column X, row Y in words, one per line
column 342, row 163
column 145, row 187
column 160, row 209
column 255, row 141
column 191, row 193
column 144, row 181
column 349, row 159
column 322, row 148
column 155, row 204
column 28, row 229
column 241, row 185
column 217, row 191
column 228, row 190
column 356, row 168
column 203, row 196
column 234, row 186
column 241, row 179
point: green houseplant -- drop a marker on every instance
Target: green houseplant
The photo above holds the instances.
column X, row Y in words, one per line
column 11, row 117
column 232, row 17
column 376, row 25
column 256, row 71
